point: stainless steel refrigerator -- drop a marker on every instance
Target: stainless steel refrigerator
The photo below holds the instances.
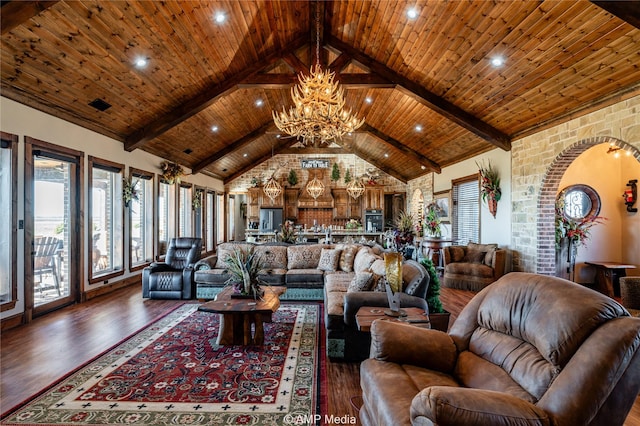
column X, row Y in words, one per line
column 270, row 220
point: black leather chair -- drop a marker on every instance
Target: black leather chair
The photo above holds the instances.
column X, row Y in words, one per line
column 173, row 278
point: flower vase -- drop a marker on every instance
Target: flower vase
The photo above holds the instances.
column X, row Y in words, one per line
column 493, row 205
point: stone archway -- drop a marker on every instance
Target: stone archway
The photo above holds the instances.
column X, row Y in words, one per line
column 546, row 253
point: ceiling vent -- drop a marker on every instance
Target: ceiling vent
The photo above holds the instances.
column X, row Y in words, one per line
column 188, row 151
column 100, row 104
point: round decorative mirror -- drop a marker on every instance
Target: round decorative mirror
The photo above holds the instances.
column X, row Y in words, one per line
column 581, row 202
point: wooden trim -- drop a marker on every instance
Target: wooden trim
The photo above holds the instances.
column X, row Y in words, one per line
column 105, row 289
column 464, row 179
column 144, row 175
column 112, row 166
column 13, row 141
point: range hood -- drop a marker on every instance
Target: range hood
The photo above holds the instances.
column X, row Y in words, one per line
column 324, row 201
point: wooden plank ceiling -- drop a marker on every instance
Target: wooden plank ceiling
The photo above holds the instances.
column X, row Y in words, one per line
column 206, row 95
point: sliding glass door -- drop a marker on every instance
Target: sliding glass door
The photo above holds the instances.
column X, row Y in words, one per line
column 51, row 213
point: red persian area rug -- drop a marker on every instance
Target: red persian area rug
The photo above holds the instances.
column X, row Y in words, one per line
column 173, row 373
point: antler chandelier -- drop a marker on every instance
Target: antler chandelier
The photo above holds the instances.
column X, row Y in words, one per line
column 318, row 113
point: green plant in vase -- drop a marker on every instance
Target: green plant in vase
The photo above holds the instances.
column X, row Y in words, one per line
column 243, row 266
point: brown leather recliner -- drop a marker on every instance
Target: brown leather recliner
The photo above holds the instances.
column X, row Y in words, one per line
column 527, row 350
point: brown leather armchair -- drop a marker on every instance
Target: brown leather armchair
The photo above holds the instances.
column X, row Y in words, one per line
column 529, row 349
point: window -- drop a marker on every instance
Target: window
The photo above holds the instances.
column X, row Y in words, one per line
column 198, row 217
column 185, row 224
column 220, row 218
column 232, row 220
column 106, row 216
column 209, row 223
column 141, row 219
column 8, row 213
column 466, row 210
column 166, row 213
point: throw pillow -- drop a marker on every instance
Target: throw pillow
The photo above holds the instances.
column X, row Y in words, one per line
column 474, row 256
column 364, row 259
column 347, row 256
column 304, row 256
column 457, row 253
column 329, row 259
column 362, row 281
column 488, row 258
column 379, row 283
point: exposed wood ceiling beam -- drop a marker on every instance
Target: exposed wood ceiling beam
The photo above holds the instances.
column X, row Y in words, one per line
column 239, row 144
column 201, row 101
column 628, row 11
column 313, row 151
column 294, row 63
column 363, row 155
column 403, row 148
column 281, row 144
column 282, row 81
column 16, row 13
column 427, row 98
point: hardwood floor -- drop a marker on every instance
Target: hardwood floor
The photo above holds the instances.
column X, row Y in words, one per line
column 44, row 351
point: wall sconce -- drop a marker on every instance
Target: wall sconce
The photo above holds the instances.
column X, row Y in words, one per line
column 631, row 195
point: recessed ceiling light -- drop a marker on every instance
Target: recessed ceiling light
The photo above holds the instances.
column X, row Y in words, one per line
column 220, row 17
column 497, row 61
column 368, row 100
column 418, row 128
column 412, row 13
column 259, row 103
column 278, row 136
column 423, row 167
column 141, row 62
column 386, row 155
column 245, row 155
column 214, row 128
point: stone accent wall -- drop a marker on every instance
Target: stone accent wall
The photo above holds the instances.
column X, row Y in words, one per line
column 424, row 184
column 538, row 163
column 281, row 164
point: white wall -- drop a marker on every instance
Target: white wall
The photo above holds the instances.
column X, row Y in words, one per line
column 23, row 121
column 492, row 230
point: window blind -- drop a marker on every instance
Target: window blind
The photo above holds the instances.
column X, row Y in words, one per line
column 466, row 211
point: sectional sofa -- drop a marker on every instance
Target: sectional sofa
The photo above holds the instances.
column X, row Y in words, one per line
column 344, row 276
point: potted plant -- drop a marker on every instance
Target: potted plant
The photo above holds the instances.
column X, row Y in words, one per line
column 490, row 186
column 243, row 266
column 437, row 315
column 432, row 222
column 288, row 232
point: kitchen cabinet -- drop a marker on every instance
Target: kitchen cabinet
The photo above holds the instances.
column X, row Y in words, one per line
column 291, row 203
column 253, row 204
column 374, row 198
column 344, row 206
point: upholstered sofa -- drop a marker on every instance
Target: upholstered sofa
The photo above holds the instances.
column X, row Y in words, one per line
column 323, row 272
column 300, row 267
column 472, row 267
column 342, row 300
column 527, row 350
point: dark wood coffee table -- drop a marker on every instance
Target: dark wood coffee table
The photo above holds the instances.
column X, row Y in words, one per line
column 368, row 314
column 237, row 315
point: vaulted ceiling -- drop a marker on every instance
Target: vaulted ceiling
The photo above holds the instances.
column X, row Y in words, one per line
column 425, row 84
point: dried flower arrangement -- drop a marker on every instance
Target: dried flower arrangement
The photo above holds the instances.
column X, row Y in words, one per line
column 171, row 172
